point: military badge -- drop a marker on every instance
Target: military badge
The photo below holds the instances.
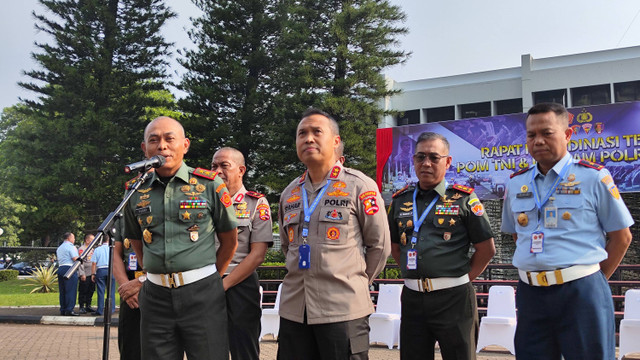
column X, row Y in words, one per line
column 242, row 206
column 289, row 216
column 446, row 236
column 126, row 243
column 143, row 203
column 368, row 199
column 452, row 222
column 571, row 177
column 185, row 188
column 200, row 215
column 333, row 215
column 293, row 198
column 149, row 219
column 407, row 209
column 410, row 223
column 476, row 207
column 200, row 188
column 186, row 215
column 193, row 181
column 566, row 215
column 295, row 190
column 523, row 219
column 447, row 209
column 140, row 221
column 144, row 191
column 333, row 233
column 193, row 235
column 146, row 236
column 338, row 192
column 456, row 196
column 193, row 194
column 264, row 213
column 440, row 221
column 335, row 172
column 226, row 199
column 243, row 214
column 290, row 232
column 524, row 188
column 403, row 238
column 145, row 197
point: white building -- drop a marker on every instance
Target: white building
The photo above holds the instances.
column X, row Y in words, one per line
column 594, row 78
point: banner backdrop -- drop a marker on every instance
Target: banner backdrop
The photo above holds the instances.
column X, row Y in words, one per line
column 486, row 151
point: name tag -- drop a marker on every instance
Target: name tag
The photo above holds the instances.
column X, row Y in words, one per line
column 133, row 262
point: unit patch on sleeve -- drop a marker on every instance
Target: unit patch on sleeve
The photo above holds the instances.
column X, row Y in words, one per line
column 611, row 186
column 476, row 207
column 368, row 199
column 264, row 213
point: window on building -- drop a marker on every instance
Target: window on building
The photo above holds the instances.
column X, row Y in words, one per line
column 591, row 95
column 556, row 96
column 475, row 110
column 409, row 117
column 510, row 106
column 441, row 114
column 627, row 91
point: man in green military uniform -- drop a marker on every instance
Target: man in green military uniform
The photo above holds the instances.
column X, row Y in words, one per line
column 170, row 222
column 432, row 227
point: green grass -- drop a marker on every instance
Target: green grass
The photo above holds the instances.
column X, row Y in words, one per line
column 15, row 293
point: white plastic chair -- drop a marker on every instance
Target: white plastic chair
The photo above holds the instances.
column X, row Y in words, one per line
column 630, row 324
column 270, row 320
column 261, row 292
column 385, row 322
column 499, row 326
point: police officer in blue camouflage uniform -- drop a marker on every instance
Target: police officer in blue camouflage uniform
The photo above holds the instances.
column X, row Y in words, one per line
column 571, row 229
column 67, row 253
column 433, row 225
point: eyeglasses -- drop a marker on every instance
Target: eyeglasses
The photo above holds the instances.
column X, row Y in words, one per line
column 434, row 158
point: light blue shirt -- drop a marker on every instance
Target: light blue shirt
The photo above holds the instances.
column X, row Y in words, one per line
column 101, row 256
column 65, row 253
column 582, row 219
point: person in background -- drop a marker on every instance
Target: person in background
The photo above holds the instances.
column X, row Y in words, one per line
column 254, row 238
column 100, row 274
column 67, row 253
column 86, row 287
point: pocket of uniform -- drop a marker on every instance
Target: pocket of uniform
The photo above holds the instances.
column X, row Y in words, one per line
column 570, row 210
column 244, row 224
column 525, row 212
column 290, row 223
column 359, row 343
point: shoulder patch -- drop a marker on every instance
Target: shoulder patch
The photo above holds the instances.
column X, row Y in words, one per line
column 401, row 191
column 255, row 194
column 464, row 189
column 130, row 183
column 519, row 172
column 207, row 174
column 590, row 164
column 303, row 177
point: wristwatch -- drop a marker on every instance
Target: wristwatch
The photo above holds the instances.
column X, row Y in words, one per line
column 142, row 278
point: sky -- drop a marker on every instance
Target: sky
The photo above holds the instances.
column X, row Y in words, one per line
column 445, row 37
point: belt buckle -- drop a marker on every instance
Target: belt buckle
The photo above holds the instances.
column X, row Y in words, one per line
column 542, row 278
column 426, row 285
column 170, row 282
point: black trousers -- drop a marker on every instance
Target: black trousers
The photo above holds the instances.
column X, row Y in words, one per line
column 191, row 319
column 86, row 289
column 129, row 329
column 448, row 316
column 345, row 340
column 244, row 312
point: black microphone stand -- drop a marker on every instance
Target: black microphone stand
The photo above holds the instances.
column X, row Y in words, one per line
column 107, row 227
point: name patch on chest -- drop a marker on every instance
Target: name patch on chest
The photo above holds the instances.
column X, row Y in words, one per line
column 290, row 207
column 336, row 202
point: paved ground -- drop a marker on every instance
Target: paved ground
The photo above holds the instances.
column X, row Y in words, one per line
column 38, row 333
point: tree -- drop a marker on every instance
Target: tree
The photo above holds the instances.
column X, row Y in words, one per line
column 229, row 76
column 96, row 87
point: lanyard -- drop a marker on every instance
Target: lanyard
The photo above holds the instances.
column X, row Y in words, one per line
column 418, row 222
column 308, row 210
column 541, row 201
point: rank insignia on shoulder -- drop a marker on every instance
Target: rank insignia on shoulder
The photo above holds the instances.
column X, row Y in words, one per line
column 335, row 172
column 519, row 172
column 590, row 164
column 207, row 174
column 303, row 177
column 399, row 192
column 255, row 194
column 464, row 189
column 130, row 183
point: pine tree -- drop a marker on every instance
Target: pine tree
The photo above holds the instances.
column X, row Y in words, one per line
column 96, row 83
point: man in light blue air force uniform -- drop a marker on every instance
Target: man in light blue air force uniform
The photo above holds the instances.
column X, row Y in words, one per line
column 571, row 229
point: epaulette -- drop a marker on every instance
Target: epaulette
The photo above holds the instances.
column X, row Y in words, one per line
column 255, row 194
column 590, row 164
column 207, row 174
column 130, row 183
column 464, row 189
column 401, row 191
column 519, row 172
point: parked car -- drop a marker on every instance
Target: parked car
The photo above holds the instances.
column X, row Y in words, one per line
column 22, row 267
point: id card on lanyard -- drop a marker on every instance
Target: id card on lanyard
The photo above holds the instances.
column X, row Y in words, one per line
column 547, row 215
column 304, row 251
column 412, row 254
column 133, row 262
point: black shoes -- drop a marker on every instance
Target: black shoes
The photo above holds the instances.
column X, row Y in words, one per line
column 71, row 313
column 83, row 311
column 89, row 309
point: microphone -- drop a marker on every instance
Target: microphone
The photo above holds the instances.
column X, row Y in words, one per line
column 146, row 164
